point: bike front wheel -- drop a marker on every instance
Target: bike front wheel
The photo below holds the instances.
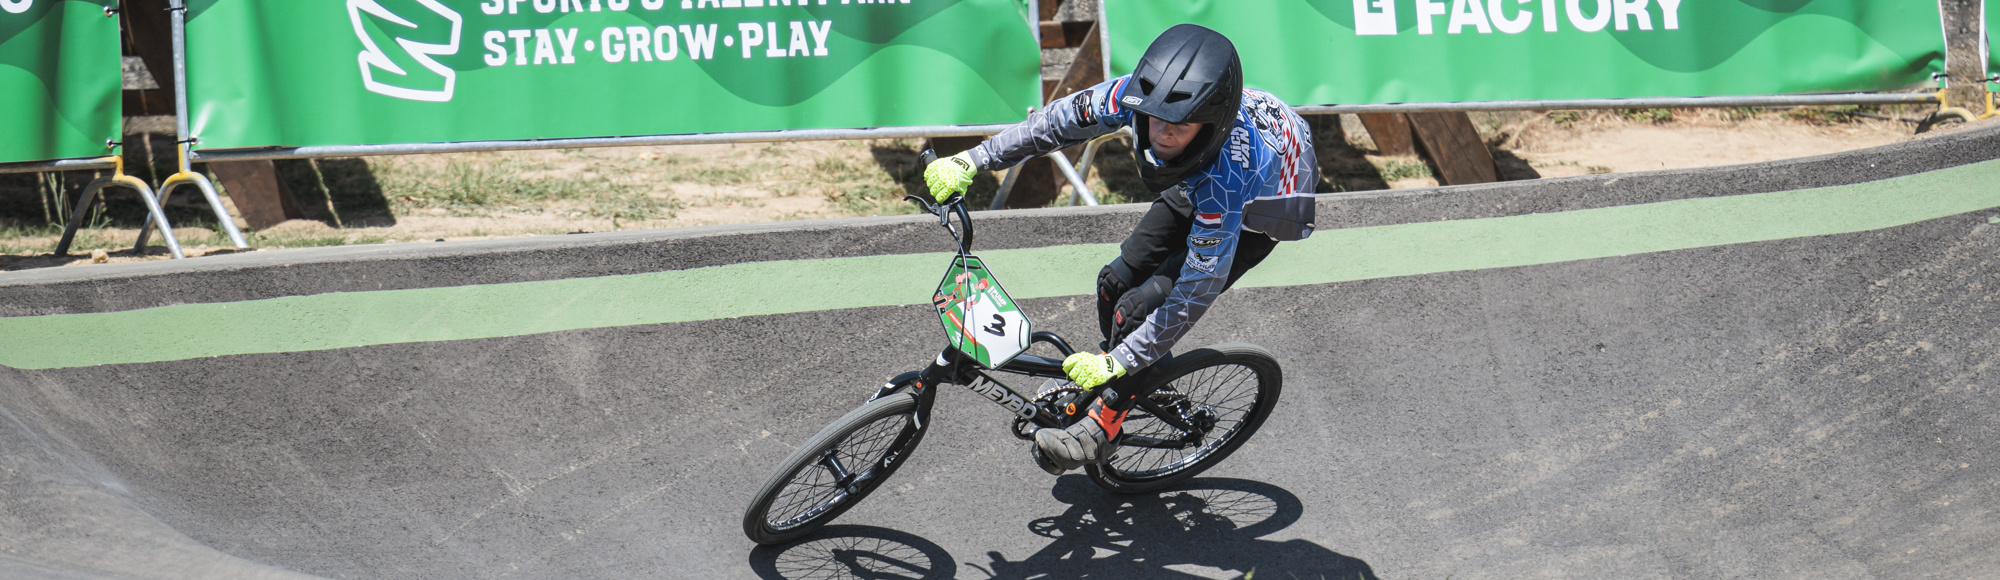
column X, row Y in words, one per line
column 1225, row 390
column 834, row 470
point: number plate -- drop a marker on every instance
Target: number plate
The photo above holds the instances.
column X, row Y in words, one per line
column 981, row 320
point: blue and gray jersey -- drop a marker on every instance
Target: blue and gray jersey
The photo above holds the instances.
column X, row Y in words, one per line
column 1260, row 184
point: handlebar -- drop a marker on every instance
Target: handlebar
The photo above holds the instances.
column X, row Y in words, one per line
column 944, row 210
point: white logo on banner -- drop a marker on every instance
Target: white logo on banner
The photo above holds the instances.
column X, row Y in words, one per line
column 1378, row 17
column 372, row 57
column 16, row 6
column 1375, row 17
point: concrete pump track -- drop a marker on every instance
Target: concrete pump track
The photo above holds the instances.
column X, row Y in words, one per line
column 1771, row 370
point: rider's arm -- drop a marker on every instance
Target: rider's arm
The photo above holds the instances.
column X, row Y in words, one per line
column 1071, row 120
column 1218, row 221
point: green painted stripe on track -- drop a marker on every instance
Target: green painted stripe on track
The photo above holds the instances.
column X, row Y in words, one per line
column 350, row 319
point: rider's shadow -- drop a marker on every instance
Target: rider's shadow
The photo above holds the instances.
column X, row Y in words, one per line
column 1194, row 530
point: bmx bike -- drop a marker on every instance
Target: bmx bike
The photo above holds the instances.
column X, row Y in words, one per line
column 1200, row 405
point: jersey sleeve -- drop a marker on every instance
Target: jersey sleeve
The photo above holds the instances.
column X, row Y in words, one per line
column 1071, row 120
column 1211, row 244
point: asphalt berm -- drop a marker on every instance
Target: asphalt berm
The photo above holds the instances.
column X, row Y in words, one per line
column 1778, row 370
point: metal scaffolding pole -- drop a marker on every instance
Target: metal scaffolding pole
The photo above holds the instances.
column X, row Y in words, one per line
column 89, row 164
column 584, row 142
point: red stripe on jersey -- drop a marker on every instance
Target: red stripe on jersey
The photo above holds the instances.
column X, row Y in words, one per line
column 1289, row 184
column 1116, row 88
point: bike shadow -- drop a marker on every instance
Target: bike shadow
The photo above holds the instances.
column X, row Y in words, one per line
column 1198, row 529
column 1202, row 528
column 865, row 552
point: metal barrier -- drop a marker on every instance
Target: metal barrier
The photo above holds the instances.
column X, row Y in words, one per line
column 187, row 176
column 86, row 164
column 587, row 142
column 1076, row 174
column 1080, row 172
column 154, row 209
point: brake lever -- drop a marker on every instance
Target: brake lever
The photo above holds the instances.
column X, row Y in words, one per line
column 925, row 202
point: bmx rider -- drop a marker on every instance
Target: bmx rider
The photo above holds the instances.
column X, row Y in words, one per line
column 1235, row 171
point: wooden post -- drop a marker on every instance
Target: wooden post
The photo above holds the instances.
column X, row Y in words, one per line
column 1453, row 144
column 1065, row 34
column 1088, row 68
column 1964, row 61
column 1391, row 132
column 148, row 34
column 1040, row 182
column 260, row 198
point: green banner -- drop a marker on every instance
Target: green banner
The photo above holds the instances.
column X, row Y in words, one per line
column 59, row 79
column 297, row 73
column 1390, row 51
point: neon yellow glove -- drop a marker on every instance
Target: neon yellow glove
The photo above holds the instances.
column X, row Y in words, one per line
column 1090, row 370
column 949, row 176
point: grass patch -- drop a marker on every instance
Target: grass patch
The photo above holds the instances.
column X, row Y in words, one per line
column 1401, row 169
column 18, row 239
column 1654, row 116
column 698, row 170
column 258, row 241
column 857, row 190
column 1824, row 115
column 479, row 185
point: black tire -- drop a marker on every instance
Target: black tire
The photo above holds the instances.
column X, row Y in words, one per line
column 1238, row 383
column 803, row 494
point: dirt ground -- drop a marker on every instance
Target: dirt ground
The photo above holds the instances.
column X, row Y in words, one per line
column 433, row 198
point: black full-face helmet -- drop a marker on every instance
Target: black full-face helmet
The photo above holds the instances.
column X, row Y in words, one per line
column 1190, row 74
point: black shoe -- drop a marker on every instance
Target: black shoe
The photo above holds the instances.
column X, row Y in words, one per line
column 1042, row 461
column 1081, row 444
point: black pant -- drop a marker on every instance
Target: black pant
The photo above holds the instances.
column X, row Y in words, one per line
column 1149, row 262
column 1139, row 280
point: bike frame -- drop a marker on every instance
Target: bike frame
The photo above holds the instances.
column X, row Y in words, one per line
column 954, row 366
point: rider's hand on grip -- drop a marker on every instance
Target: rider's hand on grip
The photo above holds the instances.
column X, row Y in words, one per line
column 1090, row 370
column 949, row 176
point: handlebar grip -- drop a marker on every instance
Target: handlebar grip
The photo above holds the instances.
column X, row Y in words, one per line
column 925, row 159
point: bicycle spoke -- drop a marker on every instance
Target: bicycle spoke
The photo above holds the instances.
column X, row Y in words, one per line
column 1228, row 392
column 823, row 484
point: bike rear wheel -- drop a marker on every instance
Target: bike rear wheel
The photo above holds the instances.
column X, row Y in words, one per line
column 834, row 470
column 1226, row 389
